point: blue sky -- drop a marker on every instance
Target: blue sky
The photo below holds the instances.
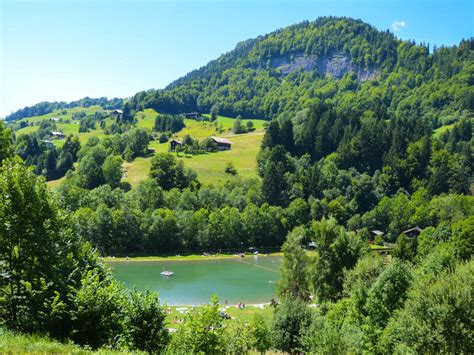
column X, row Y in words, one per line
column 65, row 50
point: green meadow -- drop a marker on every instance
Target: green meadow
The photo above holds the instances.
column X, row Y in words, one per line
column 209, row 167
column 66, row 128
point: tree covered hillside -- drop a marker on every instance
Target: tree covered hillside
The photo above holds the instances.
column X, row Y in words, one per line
column 342, row 60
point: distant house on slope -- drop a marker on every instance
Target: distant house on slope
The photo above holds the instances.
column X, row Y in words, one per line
column 376, row 233
column 116, row 113
column 175, row 144
column 57, row 135
column 413, row 232
column 222, row 143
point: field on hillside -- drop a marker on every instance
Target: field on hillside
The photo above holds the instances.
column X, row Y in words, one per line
column 66, row 128
column 210, row 166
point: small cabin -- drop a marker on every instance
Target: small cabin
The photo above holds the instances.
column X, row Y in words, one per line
column 376, row 233
column 413, row 232
column 116, row 113
column 175, row 144
column 222, row 143
column 57, row 135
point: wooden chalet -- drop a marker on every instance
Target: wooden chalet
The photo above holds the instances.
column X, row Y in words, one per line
column 413, row 232
column 222, row 143
column 174, row 145
column 57, row 135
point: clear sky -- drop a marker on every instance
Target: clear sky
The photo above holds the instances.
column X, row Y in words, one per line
column 52, row 50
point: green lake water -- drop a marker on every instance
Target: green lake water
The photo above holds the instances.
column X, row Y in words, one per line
column 249, row 280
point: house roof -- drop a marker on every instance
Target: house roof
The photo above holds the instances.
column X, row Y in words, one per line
column 377, row 232
column 176, row 141
column 118, row 111
column 57, row 133
column 415, row 229
column 221, row 140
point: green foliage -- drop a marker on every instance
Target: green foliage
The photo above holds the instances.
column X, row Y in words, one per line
column 5, row 143
column 168, row 123
column 37, row 252
column 214, row 112
column 291, row 317
column 170, row 173
column 238, row 127
column 334, row 330
column 201, row 331
column 236, row 338
column 230, row 169
column 259, row 333
column 406, row 247
column 336, row 251
column 52, row 282
column 437, row 316
column 387, row 293
column 112, row 170
column 98, row 311
column 145, row 323
column 463, row 237
column 294, row 281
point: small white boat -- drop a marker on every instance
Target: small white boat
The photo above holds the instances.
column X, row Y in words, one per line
column 167, row 273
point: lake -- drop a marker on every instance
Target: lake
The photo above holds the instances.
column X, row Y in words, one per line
column 249, row 280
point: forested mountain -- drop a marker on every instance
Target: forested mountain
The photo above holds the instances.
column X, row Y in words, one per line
column 342, row 60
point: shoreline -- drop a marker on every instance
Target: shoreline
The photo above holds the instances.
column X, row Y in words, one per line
column 191, row 257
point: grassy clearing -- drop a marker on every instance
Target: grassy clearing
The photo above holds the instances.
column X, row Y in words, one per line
column 11, row 343
column 209, row 167
column 146, row 118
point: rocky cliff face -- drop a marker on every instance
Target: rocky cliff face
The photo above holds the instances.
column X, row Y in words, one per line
column 335, row 65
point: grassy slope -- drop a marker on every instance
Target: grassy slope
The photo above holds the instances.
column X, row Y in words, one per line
column 66, row 128
column 209, row 167
column 11, row 343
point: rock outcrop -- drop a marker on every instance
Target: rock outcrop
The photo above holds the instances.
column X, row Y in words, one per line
column 335, row 65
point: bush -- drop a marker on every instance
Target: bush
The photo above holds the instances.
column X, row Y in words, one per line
column 163, row 138
column 291, row 317
column 230, row 169
column 145, row 321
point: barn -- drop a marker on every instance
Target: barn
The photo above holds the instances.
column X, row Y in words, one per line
column 222, row 143
column 175, row 145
